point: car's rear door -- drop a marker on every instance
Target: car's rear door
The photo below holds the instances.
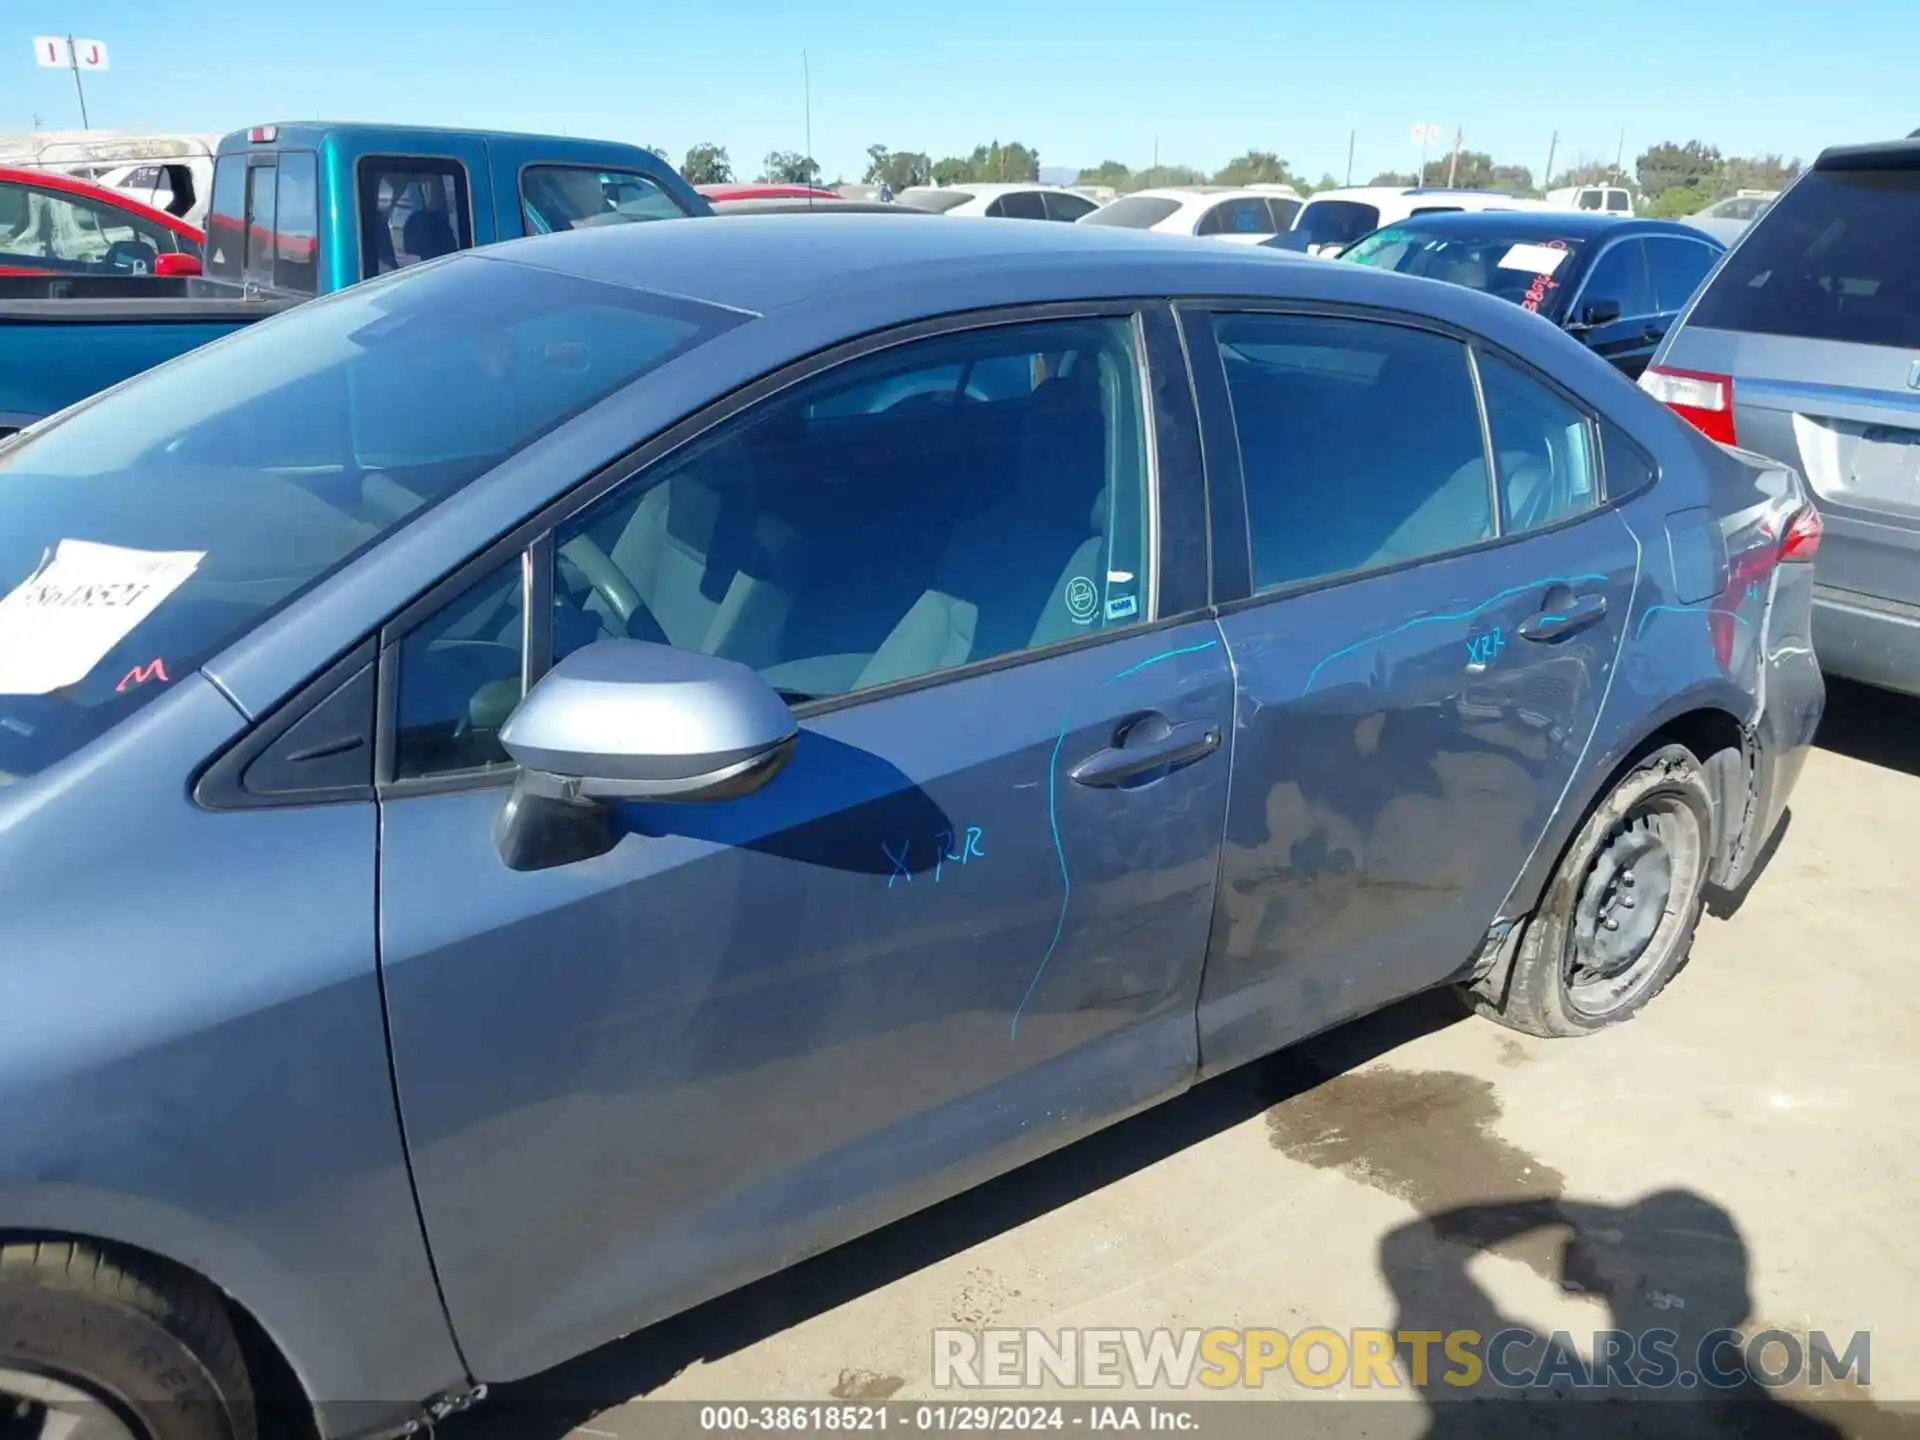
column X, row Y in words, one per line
column 966, row 922
column 1421, row 654
column 1815, row 319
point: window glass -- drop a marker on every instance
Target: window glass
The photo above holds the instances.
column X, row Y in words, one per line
column 460, row 676
column 577, row 197
column 1360, row 443
column 1542, row 448
column 226, row 217
column 1521, row 269
column 411, row 210
column 1236, row 217
column 1065, row 205
column 1020, row 205
column 1281, row 212
column 295, row 262
column 1627, row 468
column 1134, row 212
column 260, row 224
column 1620, row 275
column 46, row 230
column 1335, row 222
column 1832, row 258
column 249, row 469
column 836, row 543
column 1678, row 267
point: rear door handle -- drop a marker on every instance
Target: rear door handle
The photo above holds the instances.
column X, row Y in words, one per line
column 1569, row 619
column 1147, row 744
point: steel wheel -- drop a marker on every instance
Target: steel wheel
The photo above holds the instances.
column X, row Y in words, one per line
column 1639, row 890
column 40, row 1407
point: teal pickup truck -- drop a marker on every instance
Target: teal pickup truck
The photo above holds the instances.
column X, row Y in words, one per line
column 302, row 210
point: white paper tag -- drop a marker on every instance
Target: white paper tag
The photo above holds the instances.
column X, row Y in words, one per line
column 1535, row 259
column 82, row 601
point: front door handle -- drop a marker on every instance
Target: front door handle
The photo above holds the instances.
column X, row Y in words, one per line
column 1654, row 333
column 1569, row 619
column 1147, row 744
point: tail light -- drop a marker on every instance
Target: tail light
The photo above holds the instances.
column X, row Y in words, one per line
column 1802, row 540
column 1703, row 400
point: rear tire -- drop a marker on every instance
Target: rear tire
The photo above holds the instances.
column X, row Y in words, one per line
column 1618, row 918
column 108, row 1347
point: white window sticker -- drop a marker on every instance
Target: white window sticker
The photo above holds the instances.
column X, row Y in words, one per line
column 1534, row 259
column 83, row 600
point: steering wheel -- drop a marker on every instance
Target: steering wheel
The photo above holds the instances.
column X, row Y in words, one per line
column 615, row 590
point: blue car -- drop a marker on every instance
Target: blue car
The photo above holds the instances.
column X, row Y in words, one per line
column 539, row 788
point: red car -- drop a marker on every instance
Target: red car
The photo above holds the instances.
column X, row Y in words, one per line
column 55, row 225
column 766, row 192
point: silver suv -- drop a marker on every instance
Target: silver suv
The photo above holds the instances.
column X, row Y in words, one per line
column 1805, row 346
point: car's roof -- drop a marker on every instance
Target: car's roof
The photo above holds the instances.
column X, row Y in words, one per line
column 1878, row 155
column 809, row 205
column 995, row 187
column 1204, row 194
column 751, row 190
column 1561, row 224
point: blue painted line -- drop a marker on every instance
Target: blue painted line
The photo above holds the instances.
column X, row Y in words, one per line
column 1053, row 819
column 1704, row 608
column 1405, row 625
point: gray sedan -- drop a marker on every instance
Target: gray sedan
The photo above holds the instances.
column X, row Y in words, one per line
column 543, row 787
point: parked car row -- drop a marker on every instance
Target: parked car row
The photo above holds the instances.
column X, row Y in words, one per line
column 574, row 774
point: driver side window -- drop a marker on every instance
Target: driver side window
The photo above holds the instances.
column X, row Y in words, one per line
column 931, row 505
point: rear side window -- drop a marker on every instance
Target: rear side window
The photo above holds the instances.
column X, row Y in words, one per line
column 296, row 207
column 1281, row 213
column 1678, row 267
column 1832, row 259
column 1020, row 205
column 1237, row 217
column 226, row 217
column 260, row 224
column 411, row 210
column 580, row 197
column 1336, row 222
column 1331, row 489
column 1134, row 212
column 1065, row 205
column 1620, row 275
column 1542, row 448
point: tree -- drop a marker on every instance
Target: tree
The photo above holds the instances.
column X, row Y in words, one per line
column 1394, row 179
column 1513, row 179
column 707, row 164
column 1681, row 200
column 1668, row 166
column 1256, row 167
column 1326, row 182
column 897, row 168
column 1760, row 172
column 789, row 167
column 1107, row 172
column 1587, row 172
column 1162, row 175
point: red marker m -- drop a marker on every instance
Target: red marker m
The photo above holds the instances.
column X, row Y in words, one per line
column 140, row 674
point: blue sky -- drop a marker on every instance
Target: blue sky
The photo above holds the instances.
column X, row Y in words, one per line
column 1080, row 81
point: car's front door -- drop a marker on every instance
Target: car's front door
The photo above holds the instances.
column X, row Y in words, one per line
column 1616, row 312
column 1420, row 661
column 964, row 924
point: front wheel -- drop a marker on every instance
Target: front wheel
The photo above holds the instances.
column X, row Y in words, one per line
column 98, row 1348
column 1618, row 918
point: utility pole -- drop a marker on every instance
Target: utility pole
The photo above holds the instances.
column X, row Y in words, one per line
column 73, row 60
column 1453, row 163
column 1546, row 180
column 1619, row 155
column 1351, row 135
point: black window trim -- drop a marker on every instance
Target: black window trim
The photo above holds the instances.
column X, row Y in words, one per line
column 1230, row 525
column 463, row 176
column 532, row 538
column 250, row 279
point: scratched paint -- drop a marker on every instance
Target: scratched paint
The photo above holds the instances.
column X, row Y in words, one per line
column 899, row 853
column 1053, row 817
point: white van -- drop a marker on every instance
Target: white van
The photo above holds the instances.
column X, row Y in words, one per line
column 1612, row 199
column 1334, row 219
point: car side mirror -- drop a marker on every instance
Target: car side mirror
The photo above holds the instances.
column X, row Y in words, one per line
column 627, row 720
column 1595, row 313
column 178, row 264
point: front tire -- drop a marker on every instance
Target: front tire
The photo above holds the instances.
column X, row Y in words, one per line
column 99, row 1347
column 1618, row 918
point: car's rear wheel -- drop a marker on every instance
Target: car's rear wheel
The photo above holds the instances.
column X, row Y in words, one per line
column 1618, row 918
column 99, row 1347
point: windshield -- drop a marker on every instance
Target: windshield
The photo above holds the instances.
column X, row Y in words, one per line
column 1333, row 222
column 933, row 198
column 1830, row 259
column 147, row 530
column 1527, row 272
column 1135, row 212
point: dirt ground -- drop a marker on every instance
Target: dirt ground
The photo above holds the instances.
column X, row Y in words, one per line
column 1743, row 1154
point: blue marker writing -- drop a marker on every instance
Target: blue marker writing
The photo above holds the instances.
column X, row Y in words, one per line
column 899, row 862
